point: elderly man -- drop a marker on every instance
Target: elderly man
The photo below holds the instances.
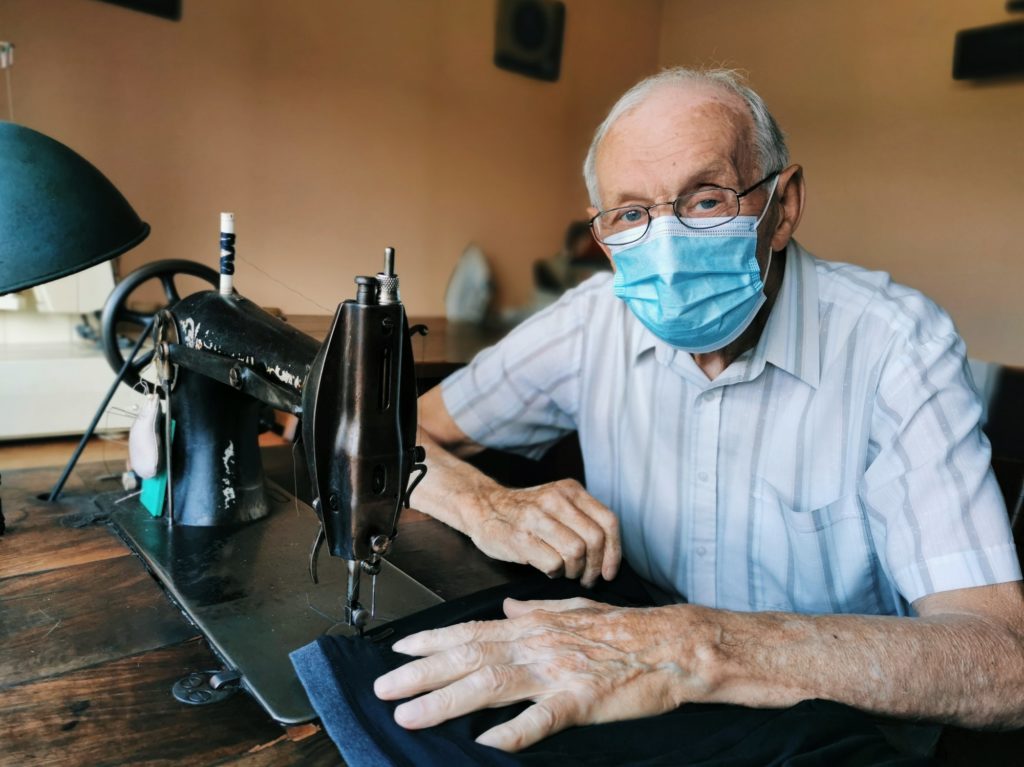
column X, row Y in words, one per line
column 789, row 449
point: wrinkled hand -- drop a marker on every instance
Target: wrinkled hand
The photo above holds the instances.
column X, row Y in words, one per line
column 559, row 528
column 581, row 662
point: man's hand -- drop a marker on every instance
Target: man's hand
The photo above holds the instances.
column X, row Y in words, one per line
column 559, row 528
column 581, row 662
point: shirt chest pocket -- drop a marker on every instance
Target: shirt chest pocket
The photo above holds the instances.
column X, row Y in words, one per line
column 816, row 559
column 810, row 518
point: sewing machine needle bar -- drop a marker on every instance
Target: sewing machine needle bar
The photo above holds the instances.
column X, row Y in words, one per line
column 352, row 595
column 168, row 434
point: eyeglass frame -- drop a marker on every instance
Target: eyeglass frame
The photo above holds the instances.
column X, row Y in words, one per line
column 647, row 210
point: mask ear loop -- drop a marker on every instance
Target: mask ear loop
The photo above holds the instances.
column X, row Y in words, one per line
column 764, row 212
column 771, row 194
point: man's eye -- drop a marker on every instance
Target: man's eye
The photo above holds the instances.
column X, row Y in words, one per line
column 625, row 217
column 712, row 202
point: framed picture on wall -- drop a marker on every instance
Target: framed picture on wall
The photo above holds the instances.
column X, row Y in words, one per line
column 168, row 9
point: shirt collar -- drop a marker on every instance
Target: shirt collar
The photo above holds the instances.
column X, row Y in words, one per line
column 790, row 337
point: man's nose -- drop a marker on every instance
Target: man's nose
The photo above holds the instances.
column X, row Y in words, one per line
column 653, row 211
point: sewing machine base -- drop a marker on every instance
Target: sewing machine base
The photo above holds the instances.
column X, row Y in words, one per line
column 247, row 589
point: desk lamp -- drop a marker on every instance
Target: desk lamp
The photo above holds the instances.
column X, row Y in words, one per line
column 58, row 215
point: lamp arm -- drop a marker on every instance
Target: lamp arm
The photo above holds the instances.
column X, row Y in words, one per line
column 55, row 492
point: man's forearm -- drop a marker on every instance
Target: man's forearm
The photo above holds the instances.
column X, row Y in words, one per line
column 452, row 489
column 955, row 668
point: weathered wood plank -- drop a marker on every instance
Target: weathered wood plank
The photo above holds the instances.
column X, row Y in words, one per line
column 108, row 450
column 61, row 620
column 28, row 548
column 122, row 712
column 315, row 750
column 42, row 535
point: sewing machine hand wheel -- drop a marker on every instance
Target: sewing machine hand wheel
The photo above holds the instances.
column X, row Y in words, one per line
column 116, row 311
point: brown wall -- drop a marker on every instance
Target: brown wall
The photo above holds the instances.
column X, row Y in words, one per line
column 334, row 127
column 331, row 128
column 907, row 170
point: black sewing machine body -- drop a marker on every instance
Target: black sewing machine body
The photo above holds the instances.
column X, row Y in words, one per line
column 233, row 549
column 232, row 357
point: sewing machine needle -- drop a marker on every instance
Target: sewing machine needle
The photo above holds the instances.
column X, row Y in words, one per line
column 373, row 596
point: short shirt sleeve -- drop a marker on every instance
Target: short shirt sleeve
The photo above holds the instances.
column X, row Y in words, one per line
column 930, row 482
column 522, row 394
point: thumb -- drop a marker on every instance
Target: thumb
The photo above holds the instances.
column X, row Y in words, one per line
column 516, row 607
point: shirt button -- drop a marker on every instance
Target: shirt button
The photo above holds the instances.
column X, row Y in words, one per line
column 701, row 551
column 702, row 476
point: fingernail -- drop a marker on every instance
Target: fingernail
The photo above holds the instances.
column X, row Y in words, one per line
column 408, row 714
column 489, row 739
column 382, row 686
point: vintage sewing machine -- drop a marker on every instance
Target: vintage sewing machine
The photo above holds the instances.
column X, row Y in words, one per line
column 238, row 553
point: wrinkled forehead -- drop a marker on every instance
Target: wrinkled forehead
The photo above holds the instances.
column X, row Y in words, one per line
column 678, row 130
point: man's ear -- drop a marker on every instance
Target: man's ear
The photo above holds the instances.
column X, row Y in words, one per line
column 591, row 212
column 791, row 191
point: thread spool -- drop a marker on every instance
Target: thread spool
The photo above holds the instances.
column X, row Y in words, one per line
column 227, row 253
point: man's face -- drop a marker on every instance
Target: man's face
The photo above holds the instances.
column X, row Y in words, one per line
column 679, row 140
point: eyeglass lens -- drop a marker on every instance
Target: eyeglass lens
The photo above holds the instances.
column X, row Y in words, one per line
column 700, row 210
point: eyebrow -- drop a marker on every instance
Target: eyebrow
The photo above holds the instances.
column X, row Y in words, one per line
column 693, row 181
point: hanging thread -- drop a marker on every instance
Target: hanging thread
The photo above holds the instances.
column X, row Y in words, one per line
column 284, row 285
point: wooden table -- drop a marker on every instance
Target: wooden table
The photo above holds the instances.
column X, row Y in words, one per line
column 90, row 646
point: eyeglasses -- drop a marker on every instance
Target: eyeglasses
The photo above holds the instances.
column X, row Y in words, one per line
column 704, row 209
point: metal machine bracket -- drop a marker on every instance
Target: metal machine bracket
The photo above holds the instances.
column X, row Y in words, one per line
column 201, row 688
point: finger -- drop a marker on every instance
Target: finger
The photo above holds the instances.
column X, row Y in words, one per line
column 514, row 608
column 439, row 640
column 540, row 555
column 587, row 530
column 441, row 669
column 602, row 516
column 536, row 723
column 548, row 526
column 598, row 526
column 486, row 688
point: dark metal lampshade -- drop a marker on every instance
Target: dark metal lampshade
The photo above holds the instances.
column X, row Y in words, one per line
column 58, row 214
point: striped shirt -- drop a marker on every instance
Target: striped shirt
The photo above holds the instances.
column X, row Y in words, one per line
column 838, row 466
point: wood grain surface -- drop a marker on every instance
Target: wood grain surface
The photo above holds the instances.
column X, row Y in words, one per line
column 122, row 712
column 68, row 618
column 90, row 647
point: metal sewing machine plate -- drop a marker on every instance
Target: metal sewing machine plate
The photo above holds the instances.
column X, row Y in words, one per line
column 247, row 590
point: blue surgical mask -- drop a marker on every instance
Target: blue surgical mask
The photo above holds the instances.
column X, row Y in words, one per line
column 697, row 289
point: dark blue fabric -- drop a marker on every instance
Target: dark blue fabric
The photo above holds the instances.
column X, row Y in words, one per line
column 338, row 675
column 342, row 722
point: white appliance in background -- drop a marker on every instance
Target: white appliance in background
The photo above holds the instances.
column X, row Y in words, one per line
column 51, row 379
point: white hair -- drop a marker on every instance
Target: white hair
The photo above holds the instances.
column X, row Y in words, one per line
column 769, row 142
